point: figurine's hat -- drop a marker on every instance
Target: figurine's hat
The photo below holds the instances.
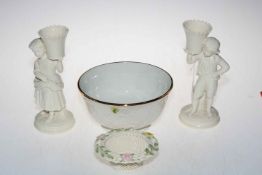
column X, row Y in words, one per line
column 54, row 40
column 196, row 32
column 212, row 44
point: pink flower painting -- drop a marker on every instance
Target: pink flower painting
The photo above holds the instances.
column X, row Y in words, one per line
column 127, row 157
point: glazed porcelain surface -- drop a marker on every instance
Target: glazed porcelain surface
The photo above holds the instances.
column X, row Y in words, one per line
column 125, row 94
column 126, row 147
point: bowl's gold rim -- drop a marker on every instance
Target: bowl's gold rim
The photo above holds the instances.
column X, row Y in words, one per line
column 126, row 104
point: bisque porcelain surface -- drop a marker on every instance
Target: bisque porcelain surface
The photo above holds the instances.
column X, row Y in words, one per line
column 126, row 148
column 60, row 122
column 54, row 39
column 200, row 119
column 203, row 51
column 125, row 94
column 196, row 32
column 49, row 50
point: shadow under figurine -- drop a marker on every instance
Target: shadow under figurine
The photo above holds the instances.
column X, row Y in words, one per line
column 200, row 113
column 49, row 50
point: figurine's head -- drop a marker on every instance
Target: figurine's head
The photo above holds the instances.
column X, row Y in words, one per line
column 211, row 46
column 38, row 47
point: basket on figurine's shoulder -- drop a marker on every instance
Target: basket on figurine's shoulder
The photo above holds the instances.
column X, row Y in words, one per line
column 196, row 32
column 54, row 40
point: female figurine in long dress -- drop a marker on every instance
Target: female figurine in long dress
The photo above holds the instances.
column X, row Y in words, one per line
column 48, row 83
column 49, row 50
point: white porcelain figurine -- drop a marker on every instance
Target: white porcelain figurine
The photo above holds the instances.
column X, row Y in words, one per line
column 48, row 84
column 201, row 114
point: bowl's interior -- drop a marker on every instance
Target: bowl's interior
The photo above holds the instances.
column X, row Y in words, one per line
column 125, row 82
column 128, row 142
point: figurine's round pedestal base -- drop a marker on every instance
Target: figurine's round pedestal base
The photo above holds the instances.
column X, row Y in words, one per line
column 60, row 122
column 200, row 119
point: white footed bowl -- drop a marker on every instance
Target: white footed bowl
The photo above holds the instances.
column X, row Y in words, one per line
column 125, row 94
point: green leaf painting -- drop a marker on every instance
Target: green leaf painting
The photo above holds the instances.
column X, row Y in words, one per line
column 115, row 110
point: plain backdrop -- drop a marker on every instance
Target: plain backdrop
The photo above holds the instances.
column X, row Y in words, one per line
column 147, row 31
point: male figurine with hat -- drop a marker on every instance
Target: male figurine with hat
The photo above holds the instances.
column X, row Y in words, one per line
column 203, row 50
column 208, row 73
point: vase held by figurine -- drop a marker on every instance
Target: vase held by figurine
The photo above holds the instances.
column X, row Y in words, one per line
column 54, row 40
column 196, row 32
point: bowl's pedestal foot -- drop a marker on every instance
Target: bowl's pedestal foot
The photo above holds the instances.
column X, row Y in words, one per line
column 59, row 122
column 200, row 119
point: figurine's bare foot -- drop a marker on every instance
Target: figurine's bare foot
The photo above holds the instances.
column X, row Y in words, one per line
column 200, row 118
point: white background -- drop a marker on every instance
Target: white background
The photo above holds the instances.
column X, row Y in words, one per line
column 137, row 30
